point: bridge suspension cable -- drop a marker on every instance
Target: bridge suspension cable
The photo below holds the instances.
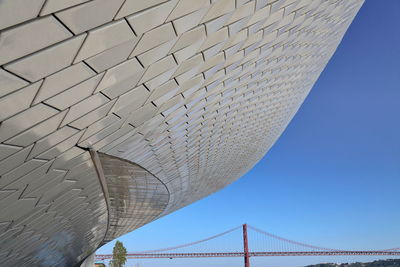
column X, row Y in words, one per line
column 188, row 244
column 290, row 241
column 275, row 246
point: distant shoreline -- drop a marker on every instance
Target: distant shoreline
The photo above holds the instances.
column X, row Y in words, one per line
column 377, row 263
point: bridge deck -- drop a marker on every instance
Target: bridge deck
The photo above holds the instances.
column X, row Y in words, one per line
column 252, row 254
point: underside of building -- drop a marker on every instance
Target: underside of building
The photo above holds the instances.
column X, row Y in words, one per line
column 117, row 112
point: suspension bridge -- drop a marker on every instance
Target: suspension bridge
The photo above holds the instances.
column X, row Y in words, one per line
column 263, row 244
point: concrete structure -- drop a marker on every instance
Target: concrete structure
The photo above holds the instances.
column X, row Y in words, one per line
column 175, row 98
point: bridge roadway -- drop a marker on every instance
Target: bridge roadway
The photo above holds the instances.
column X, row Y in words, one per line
column 253, row 254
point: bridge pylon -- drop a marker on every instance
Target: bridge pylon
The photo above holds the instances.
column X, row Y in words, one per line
column 246, row 247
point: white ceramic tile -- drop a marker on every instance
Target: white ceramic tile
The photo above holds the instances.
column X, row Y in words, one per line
column 212, row 51
column 67, row 157
column 155, row 38
column 122, row 86
column 25, row 120
column 40, row 177
column 13, row 12
column 22, row 205
column 115, row 138
column 103, row 133
column 166, row 91
column 159, row 67
column 183, row 77
column 52, row 6
column 189, row 51
column 89, row 15
column 173, row 102
column 14, row 161
column 47, row 61
column 62, row 80
column 260, row 14
column 143, row 114
column 10, row 82
column 98, row 125
column 105, row 37
column 75, row 94
column 51, row 140
column 93, row 116
column 160, row 79
column 40, row 130
column 120, row 73
column 112, row 56
column 190, row 37
column 193, row 63
column 261, row 3
column 30, row 37
column 133, row 6
column 217, row 23
column 18, row 101
column 185, row 7
column 156, row 53
column 187, row 86
column 189, row 21
column 274, row 17
column 216, row 37
column 150, row 18
column 61, row 147
column 7, row 150
column 242, row 11
column 238, row 25
column 213, row 61
column 132, row 99
column 83, row 107
column 219, row 8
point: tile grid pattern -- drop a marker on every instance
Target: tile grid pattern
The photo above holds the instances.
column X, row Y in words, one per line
column 136, row 196
column 195, row 91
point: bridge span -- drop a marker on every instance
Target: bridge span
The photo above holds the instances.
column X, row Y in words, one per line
column 273, row 246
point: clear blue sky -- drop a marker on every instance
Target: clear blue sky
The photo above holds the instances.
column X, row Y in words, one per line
column 332, row 179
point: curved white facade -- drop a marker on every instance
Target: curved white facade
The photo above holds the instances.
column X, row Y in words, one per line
column 181, row 96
